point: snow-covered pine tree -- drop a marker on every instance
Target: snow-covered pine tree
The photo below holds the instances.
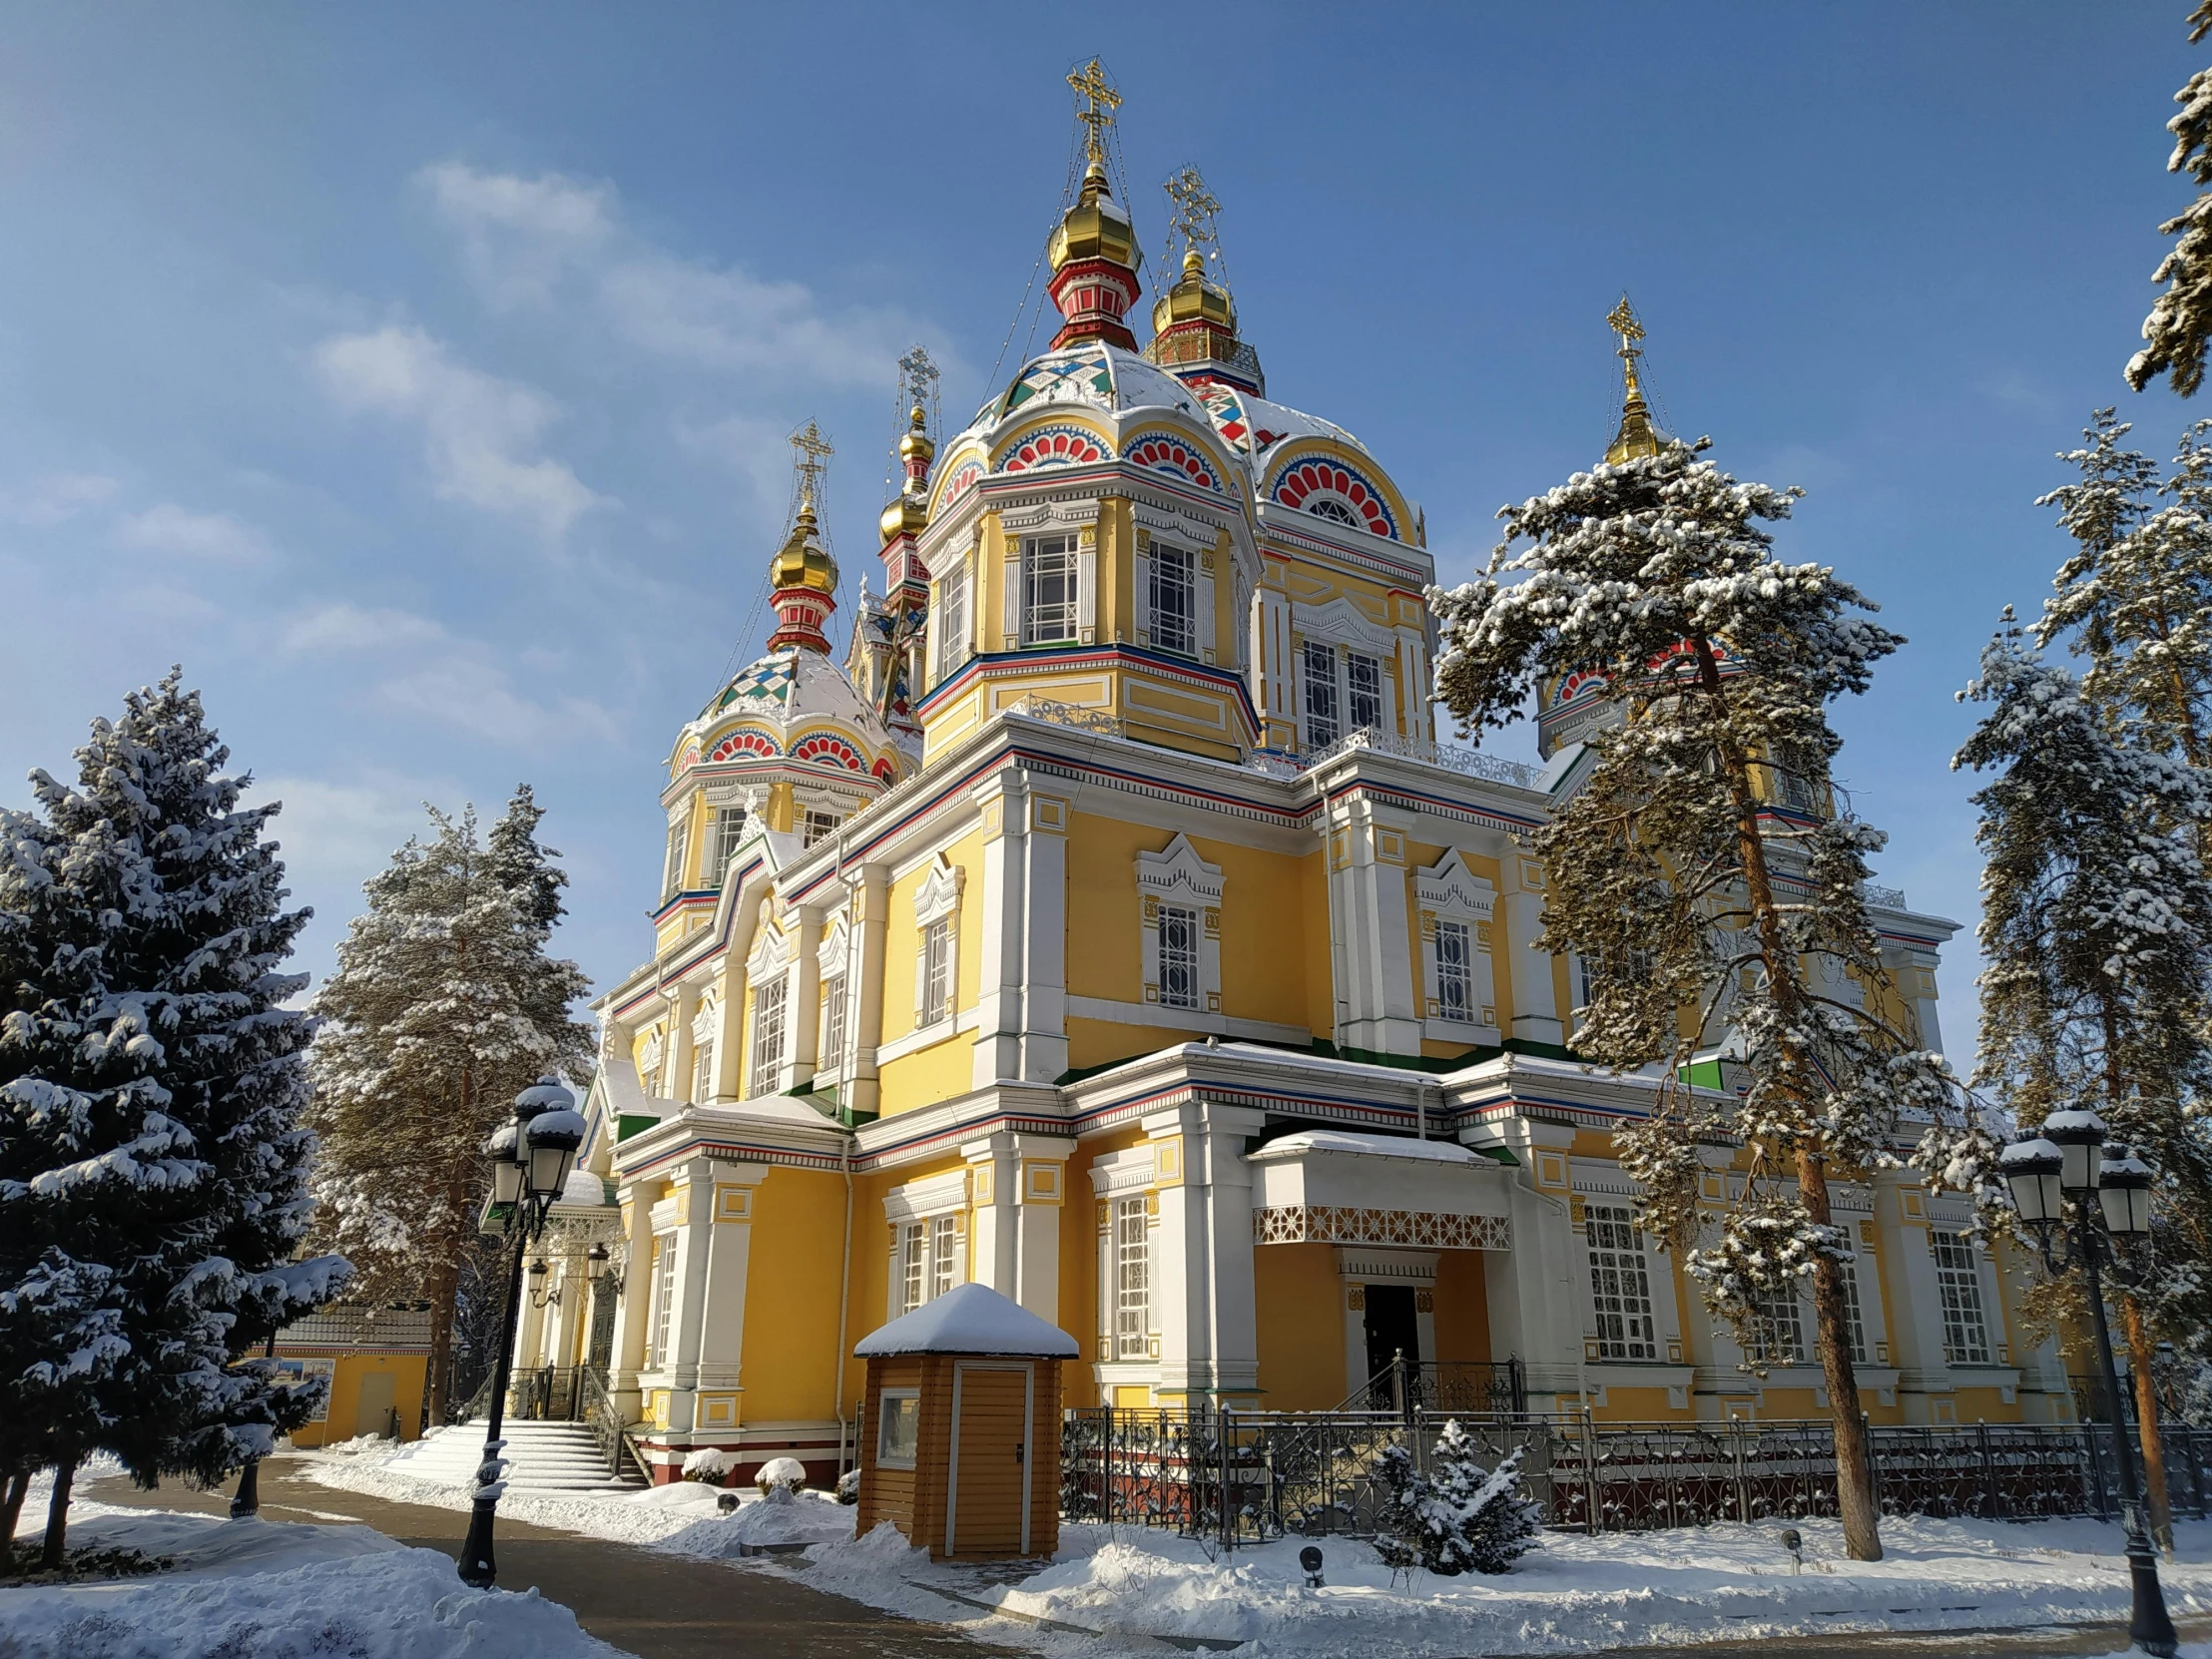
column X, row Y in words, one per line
column 444, row 1005
column 2181, row 321
column 1687, row 894
column 1460, row 1516
column 2096, row 929
column 151, row 1152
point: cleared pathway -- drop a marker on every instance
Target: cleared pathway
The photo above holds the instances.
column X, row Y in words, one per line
column 656, row 1606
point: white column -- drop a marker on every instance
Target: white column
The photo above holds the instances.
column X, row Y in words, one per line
column 1045, row 1038
column 1373, row 944
column 1002, row 920
column 637, row 1290
column 804, row 1013
column 694, row 1193
column 1915, row 1301
column 1536, row 1016
column 864, row 1007
column 1020, row 1187
column 728, row 1196
column 1202, row 1268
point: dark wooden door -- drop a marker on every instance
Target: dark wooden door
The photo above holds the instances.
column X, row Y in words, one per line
column 1391, row 1326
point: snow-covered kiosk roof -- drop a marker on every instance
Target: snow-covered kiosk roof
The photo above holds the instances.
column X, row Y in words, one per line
column 970, row 1318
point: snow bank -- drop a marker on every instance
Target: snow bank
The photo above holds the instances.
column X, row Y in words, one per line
column 280, row 1592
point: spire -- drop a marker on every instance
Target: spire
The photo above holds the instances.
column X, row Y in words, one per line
column 803, row 576
column 1637, row 435
column 1194, row 323
column 904, row 519
column 1093, row 252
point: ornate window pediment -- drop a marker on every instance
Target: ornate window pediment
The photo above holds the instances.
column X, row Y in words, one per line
column 1448, row 886
column 1178, row 869
column 939, row 892
column 772, row 949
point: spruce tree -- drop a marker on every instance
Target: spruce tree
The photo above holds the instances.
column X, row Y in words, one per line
column 2096, row 927
column 1691, row 897
column 2181, row 321
column 153, row 1161
column 445, row 1005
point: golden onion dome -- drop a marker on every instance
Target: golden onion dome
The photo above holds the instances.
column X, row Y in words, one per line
column 803, row 562
column 908, row 516
column 915, row 443
column 1194, row 299
column 1095, row 227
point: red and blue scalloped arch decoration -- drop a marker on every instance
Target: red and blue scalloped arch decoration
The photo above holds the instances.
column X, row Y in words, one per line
column 1161, row 453
column 1054, row 446
column 733, row 743
column 961, row 479
column 1304, row 484
column 886, row 768
column 828, row 748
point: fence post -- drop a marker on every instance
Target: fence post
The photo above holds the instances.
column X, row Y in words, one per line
column 1397, row 1380
column 2196, row 1470
column 1590, row 1473
column 1517, row 1385
column 1228, row 1527
column 1743, row 1492
column 1990, row 1504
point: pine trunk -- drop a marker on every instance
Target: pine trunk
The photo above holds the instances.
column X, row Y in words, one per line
column 2146, row 1419
column 11, row 1510
column 52, row 1555
column 1855, row 1503
column 444, row 1290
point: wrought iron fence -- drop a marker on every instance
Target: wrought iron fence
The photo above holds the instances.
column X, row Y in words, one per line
column 1234, row 1478
column 545, row 1393
column 1464, row 1386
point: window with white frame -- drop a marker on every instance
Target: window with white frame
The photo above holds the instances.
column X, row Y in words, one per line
column 1455, row 972
column 702, row 1068
column 913, row 1266
column 1855, row 1324
column 1620, row 1284
column 1051, row 577
column 1132, row 1279
column 1959, row 1284
column 672, row 873
column 1177, row 956
column 1324, row 723
column 664, row 1299
column 723, row 830
column 1364, row 691
column 832, row 1022
column 768, row 1036
column 898, row 1428
column 953, row 626
column 818, row 822
column 936, row 971
column 945, row 1254
column 931, row 1259
column 1777, row 1330
column 1175, row 598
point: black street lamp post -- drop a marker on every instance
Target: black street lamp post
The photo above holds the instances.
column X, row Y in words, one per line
column 2110, row 1195
column 530, row 1161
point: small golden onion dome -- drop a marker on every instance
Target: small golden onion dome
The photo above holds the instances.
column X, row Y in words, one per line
column 908, row 516
column 1194, row 299
column 803, row 562
column 916, row 441
column 1095, row 227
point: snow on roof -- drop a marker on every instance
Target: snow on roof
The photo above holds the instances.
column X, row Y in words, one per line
column 969, row 1319
column 1369, row 1146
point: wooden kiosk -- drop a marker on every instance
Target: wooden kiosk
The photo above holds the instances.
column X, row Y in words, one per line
column 961, row 1437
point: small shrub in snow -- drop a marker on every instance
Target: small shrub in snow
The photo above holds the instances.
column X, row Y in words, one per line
column 1459, row 1517
column 848, row 1486
column 788, row 1473
column 710, row 1463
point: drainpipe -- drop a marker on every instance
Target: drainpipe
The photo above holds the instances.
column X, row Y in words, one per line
column 846, row 1062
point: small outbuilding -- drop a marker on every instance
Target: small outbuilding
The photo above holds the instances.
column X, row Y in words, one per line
column 960, row 1442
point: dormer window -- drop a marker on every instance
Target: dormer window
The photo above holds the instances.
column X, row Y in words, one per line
column 1050, row 584
column 1175, row 600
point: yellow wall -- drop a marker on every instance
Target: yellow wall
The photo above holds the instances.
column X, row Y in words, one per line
column 1298, row 1301
column 791, row 1296
column 409, row 1372
column 945, row 1069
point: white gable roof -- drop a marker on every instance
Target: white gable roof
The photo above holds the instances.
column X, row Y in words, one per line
column 970, row 1318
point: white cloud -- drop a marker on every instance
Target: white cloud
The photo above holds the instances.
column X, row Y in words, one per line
column 167, row 528
column 56, row 497
column 342, row 833
column 480, row 433
column 347, row 627
column 521, row 237
column 759, row 451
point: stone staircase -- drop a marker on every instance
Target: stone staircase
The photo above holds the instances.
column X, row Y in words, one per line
column 541, row 1457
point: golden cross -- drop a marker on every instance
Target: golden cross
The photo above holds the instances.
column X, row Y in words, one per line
column 916, row 373
column 1622, row 321
column 1090, row 83
column 814, row 452
column 1195, row 208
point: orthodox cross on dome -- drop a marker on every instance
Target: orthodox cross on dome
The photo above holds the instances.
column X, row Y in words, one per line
column 1100, row 102
column 1195, row 210
column 918, row 379
column 1622, row 321
column 812, row 453
column 802, row 577
column 1636, row 435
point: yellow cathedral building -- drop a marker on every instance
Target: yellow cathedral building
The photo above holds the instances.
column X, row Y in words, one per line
column 1113, row 928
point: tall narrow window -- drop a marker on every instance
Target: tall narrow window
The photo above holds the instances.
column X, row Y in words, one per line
column 936, row 971
column 818, row 824
column 913, row 1265
column 723, row 834
column 767, row 1036
column 1175, row 598
column 833, row 1023
column 1778, row 1330
column 1620, row 1285
column 1854, row 1324
column 1049, row 580
column 1177, row 956
column 1455, row 972
column 664, row 1297
column 953, row 620
column 1364, row 691
column 1132, row 1279
column 1323, row 723
column 945, row 1254
column 703, row 1069
column 1959, row 1282
column 672, row 874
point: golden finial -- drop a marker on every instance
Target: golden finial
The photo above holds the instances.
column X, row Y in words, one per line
column 1194, row 212
column 1636, row 437
column 812, row 453
column 1090, row 84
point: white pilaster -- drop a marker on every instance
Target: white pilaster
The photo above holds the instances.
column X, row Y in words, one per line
column 1002, row 800
column 1204, row 1299
column 1536, row 1015
column 1371, row 936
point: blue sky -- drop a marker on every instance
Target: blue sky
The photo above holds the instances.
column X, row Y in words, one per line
column 417, row 376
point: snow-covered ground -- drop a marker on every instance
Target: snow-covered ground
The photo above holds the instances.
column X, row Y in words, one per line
column 1575, row 1594
column 255, row 1590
